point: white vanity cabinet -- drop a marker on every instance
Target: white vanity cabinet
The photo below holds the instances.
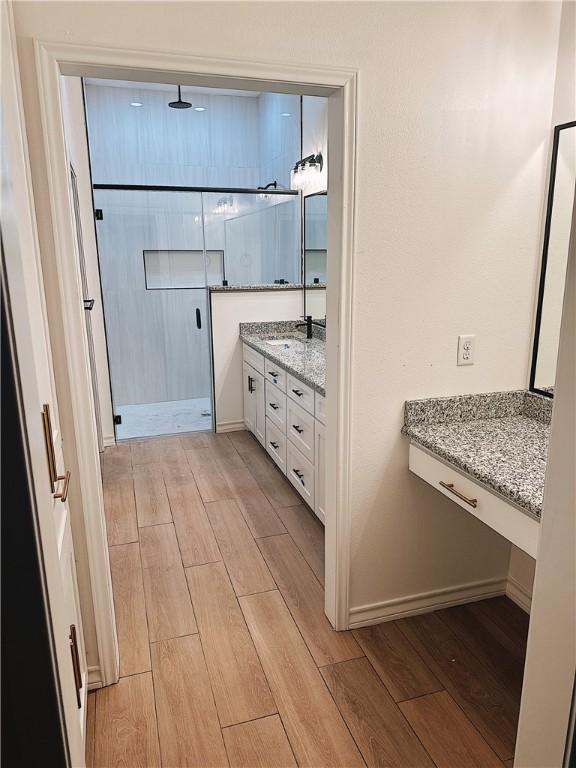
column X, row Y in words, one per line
column 287, row 416
column 254, row 402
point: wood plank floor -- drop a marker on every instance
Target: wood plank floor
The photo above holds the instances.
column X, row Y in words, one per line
column 227, row 659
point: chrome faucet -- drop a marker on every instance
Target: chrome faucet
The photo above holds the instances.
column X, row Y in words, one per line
column 308, row 325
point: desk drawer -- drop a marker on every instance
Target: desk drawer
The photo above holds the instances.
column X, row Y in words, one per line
column 300, row 473
column 275, row 405
column 301, row 393
column 492, row 510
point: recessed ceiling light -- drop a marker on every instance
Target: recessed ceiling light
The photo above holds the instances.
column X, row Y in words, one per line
column 199, row 109
column 285, row 114
column 135, row 103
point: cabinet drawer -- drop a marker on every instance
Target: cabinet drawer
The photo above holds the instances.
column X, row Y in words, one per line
column 275, row 374
column 275, row 406
column 300, row 429
column 253, row 358
column 300, row 473
column 492, row 510
column 320, row 407
column 300, row 393
column 276, row 444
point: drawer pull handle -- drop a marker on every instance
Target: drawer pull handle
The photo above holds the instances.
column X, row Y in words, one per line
column 273, row 373
column 300, row 476
column 274, row 406
column 297, row 392
column 274, row 445
column 297, row 428
column 450, row 487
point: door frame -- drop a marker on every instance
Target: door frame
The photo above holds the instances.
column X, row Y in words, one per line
column 340, row 86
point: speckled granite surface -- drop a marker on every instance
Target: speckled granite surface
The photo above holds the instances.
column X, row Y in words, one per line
column 499, row 438
column 306, row 359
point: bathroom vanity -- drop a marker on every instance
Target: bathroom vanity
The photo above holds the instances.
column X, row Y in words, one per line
column 487, row 453
column 285, row 405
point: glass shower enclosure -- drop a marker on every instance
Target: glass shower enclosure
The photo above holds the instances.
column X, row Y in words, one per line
column 159, row 251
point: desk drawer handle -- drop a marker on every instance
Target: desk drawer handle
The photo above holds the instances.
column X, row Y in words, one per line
column 450, row 487
column 274, row 406
column 298, row 428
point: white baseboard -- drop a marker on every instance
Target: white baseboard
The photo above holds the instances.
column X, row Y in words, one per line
column 399, row 608
column 519, row 594
column 230, row 426
column 94, row 678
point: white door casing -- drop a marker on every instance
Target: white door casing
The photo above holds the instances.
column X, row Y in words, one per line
column 339, row 85
column 22, row 274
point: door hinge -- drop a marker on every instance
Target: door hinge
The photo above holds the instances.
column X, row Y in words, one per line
column 88, row 304
column 98, row 215
column 117, row 419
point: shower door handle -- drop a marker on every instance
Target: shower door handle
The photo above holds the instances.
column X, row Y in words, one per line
column 198, row 319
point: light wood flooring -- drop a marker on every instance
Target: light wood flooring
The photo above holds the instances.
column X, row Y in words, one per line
column 227, row 659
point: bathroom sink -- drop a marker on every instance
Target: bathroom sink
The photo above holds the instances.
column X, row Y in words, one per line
column 285, row 343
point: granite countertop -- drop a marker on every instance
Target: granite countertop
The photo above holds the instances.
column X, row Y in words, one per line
column 261, row 287
column 306, row 360
column 499, row 438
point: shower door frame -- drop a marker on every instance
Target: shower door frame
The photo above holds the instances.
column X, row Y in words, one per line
column 339, row 85
column 199, row 190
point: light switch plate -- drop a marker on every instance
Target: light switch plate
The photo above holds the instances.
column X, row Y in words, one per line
column 466, row 348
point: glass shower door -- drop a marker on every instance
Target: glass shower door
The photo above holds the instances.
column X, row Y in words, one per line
column 154, row 273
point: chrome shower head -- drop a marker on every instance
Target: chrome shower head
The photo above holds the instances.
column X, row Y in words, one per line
column 179, row 104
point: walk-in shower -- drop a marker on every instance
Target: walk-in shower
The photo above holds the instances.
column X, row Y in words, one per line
column 160, row 250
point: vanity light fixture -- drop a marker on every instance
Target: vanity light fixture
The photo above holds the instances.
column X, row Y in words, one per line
column 135, row 103
column 304, row 169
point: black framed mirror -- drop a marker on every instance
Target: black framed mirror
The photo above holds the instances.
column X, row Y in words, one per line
column 561, row 191
column 315, row 248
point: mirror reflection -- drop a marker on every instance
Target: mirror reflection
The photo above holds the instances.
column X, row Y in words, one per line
column 315, row 249
column 554, row 258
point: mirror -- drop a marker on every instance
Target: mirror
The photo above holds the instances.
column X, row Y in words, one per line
column 315, row 249
column 554, row 259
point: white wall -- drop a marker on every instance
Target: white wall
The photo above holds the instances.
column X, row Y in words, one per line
column 449, row 193
column 230, row 308
column 279, row 139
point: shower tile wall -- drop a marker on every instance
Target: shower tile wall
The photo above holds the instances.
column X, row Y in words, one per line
column 242, row 140
column 239, row 141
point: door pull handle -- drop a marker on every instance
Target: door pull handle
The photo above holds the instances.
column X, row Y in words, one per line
column 63, row 494
column 73, row 638
column 198, row 319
